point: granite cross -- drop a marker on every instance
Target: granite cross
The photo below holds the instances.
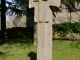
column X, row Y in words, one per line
column 43, row 18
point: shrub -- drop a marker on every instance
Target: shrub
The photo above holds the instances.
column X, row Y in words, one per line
column 66, row 28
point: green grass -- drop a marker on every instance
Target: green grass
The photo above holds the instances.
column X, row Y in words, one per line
column 66, row 50
column 22, row 49
column 17, row 49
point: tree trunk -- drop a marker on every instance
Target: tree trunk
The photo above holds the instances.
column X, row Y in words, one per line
column 3, row 21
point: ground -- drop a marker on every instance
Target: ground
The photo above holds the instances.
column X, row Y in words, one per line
column 22, row 49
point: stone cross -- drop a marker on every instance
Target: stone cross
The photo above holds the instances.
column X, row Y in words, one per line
column 43, row 18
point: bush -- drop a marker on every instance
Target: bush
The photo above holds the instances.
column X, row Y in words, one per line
column 66, row 28
column 19, row 32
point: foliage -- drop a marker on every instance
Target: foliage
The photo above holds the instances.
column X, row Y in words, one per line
column 24, row 3
column 19, row 32
column 70, row 4
column 66, row 28
column 62, row 1
column 54, row 9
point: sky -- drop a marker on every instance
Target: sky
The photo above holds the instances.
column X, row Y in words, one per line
column 9, row 0
column 9, row 18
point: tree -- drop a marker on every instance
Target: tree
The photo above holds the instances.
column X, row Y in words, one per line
column 70, row 5
column 4, row 9
column 21, row 7
column 18, row 6
column 3, row 20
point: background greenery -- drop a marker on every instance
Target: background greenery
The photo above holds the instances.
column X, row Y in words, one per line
column 66, row 28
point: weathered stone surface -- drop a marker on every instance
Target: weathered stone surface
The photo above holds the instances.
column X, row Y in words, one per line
column 54, row 2
column 13, row 21
column 36, row 12
column 43, row 18
column 31, row 3
column 64, row 16
column 43, row 11
column 44, row 33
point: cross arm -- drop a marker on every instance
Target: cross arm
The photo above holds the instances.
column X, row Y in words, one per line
column 32, row 3
column 54, row 2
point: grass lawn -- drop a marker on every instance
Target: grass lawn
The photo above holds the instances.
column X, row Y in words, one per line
column 66, row 50
column 22, row 49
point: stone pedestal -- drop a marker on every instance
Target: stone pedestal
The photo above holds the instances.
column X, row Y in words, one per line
column 44, row 44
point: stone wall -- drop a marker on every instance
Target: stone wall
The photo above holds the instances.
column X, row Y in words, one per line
column 13, row 21
column 64, row 16
column 26, row 21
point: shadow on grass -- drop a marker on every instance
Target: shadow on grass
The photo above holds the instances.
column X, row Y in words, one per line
column 2, row 55
column 32, row 55
column 19, row 35
column 20, row 32
column 22, row 41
